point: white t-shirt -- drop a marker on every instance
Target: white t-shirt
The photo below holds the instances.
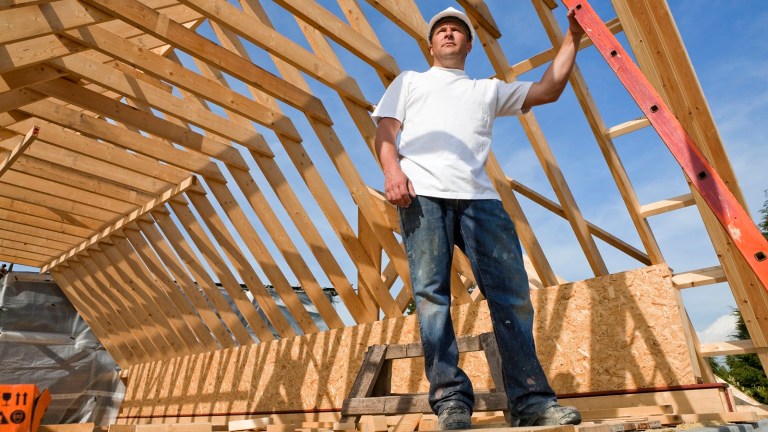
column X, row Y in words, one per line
column 447, row 119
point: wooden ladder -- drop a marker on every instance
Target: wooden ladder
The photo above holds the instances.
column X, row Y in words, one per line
column 371, row 392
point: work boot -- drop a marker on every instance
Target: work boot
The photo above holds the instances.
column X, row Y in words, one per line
column 558, row 415
column 455, row 416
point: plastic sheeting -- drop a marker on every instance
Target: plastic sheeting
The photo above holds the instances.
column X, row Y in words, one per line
column 44, row 341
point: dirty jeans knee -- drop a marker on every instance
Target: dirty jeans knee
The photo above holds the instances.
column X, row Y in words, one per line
column 427, row 227
column 491, row 243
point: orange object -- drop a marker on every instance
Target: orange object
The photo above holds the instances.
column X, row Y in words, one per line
column 22, row 407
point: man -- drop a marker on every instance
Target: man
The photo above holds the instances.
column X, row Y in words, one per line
column 436, row 176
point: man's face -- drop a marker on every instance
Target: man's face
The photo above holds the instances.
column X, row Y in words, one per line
column 449, row 39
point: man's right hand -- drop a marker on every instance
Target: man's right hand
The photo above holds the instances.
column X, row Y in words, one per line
column 398, row 189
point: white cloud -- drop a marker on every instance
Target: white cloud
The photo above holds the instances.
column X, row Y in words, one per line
column 720, row 330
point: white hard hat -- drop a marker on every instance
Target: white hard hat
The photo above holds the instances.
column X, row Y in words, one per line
column 450, row 12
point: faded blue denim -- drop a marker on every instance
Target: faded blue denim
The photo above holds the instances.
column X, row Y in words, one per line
column 483, row 230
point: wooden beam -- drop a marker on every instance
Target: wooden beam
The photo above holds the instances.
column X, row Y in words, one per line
column 179, row 36
column 257, row 248
column 84, row 98
column 24, row 77
column 101, row 129
column 132, row 87
column 64, row 147
column 735, row 347
column 35, row 51
column 700, row 277
column 478, row 10
column 595, row 230
column 16, row 153
column 667, row 205
column 121, row 223
column 63, row 204
column 24, row 23
column 248, row 28
column 84, row 181
column 157, row 253
column 627, row 127
column 343, row 34
column 325, row 199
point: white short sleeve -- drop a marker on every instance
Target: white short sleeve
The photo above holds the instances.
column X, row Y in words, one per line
column 392, row 103
column 510, row 97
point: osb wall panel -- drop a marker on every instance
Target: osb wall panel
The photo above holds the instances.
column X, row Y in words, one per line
column 609, row 333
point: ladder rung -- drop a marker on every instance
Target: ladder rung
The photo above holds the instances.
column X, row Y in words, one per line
column 730, row 348
column 666, row 205
column 627, row 127
column 700, row 277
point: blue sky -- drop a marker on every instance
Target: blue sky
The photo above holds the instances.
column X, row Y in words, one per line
column 726, row 44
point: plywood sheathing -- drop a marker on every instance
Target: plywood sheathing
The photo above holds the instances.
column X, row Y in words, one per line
column 622, row 331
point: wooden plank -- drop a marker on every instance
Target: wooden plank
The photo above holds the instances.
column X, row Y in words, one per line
column 248, row 28
column 734, row 347
column 167, row 70
column 325, row 199
column 122, row 324
column 129, row 305
column 259, row 251
column 544, row 57
column 17, row 151
column 35, row 51
column 34, row 241
column 627, row 127
column 667, row 205
column 158, row 98
column 287, row 248
column 56, row 202
column 408, row 423
column 158, row 294
column 92, row 101
column 99, row 203
column 640, row 411
column 365, row 381
column 260, row 423
column 193, row 305
column 101, row 328
column 206, row 284
column 478, row 10
column 408, row 17
column 125, row 220
column 343, row 34
column 61, row 146
column 594, row 229
column 101, row 129
column 23, row 23
column 142, row 297
column 732, row 417
column 700, row 277
column 174, row 33
column 24, row 77
column 18, row 224
column 83, row 181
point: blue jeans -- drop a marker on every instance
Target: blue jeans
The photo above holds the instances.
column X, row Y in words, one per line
column 483, row 230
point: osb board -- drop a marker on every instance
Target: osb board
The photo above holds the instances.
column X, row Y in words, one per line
column 609, row 333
